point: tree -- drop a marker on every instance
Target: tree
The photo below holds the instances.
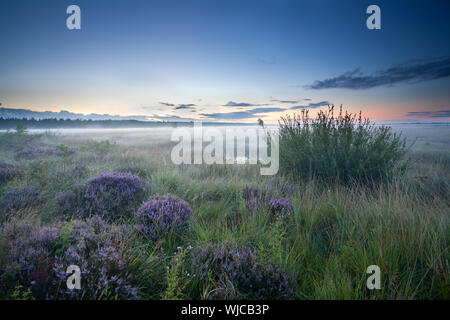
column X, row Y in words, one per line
column 260, row 122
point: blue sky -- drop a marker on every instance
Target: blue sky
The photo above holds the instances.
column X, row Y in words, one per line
column 226, row 60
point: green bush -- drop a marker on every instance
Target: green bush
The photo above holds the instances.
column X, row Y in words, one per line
column 346, row 148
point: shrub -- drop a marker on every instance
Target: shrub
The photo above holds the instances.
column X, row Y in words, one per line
column 163, row 214
column 238, row 273
column 344, row 148
column 39, row 256
column 110, row 195
column 8, row 172
column 17, row 199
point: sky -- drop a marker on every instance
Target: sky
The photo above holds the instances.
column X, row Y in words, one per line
column 233, row 61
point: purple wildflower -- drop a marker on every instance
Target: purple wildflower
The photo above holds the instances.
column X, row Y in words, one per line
column 254, row 198
column 280, row 206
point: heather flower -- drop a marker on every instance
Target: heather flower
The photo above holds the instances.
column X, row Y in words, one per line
column 281, row 207
column 256, row 198
column 17, row 199
column 253, row 197
column 237, row 272
column 110, row 195
column 8, row 172
column 163, row 214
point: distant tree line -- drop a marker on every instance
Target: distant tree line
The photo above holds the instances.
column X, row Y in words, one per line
column 32, row 123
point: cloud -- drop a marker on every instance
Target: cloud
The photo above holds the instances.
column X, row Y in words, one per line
column 230, row 115
column 410, row 72
column 430, row 114
column 167, row 104
column 239, row 115
column 243, row 104
column 285, row 101
column 184, row 106
column 312, row 105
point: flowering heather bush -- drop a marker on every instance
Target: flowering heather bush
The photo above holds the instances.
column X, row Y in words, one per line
column 110, row 195
column 37, row 259
column 280, row 206
column 97, row 248
column 42, row 153
column 238, row 273
column 29, row 250
column 163, row 214
column 8, row 172
column 17, row 199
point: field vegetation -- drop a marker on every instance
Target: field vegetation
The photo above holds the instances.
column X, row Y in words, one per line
column 348, row 195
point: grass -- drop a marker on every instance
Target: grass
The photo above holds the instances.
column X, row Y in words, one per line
column 335, row 232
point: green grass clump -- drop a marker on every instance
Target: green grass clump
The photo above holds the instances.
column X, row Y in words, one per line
column 345, row 148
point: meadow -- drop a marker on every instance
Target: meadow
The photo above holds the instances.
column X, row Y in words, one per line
column 94, row 198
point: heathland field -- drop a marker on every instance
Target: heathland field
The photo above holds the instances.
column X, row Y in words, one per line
column 140, row 227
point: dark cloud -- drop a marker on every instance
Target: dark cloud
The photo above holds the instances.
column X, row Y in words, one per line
column 239, row 115
column 242, row 104
column 264, row 110
column 185, row 106
column 312, row 105
column 430, row 114
column 410, row 72
column 167, row 104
